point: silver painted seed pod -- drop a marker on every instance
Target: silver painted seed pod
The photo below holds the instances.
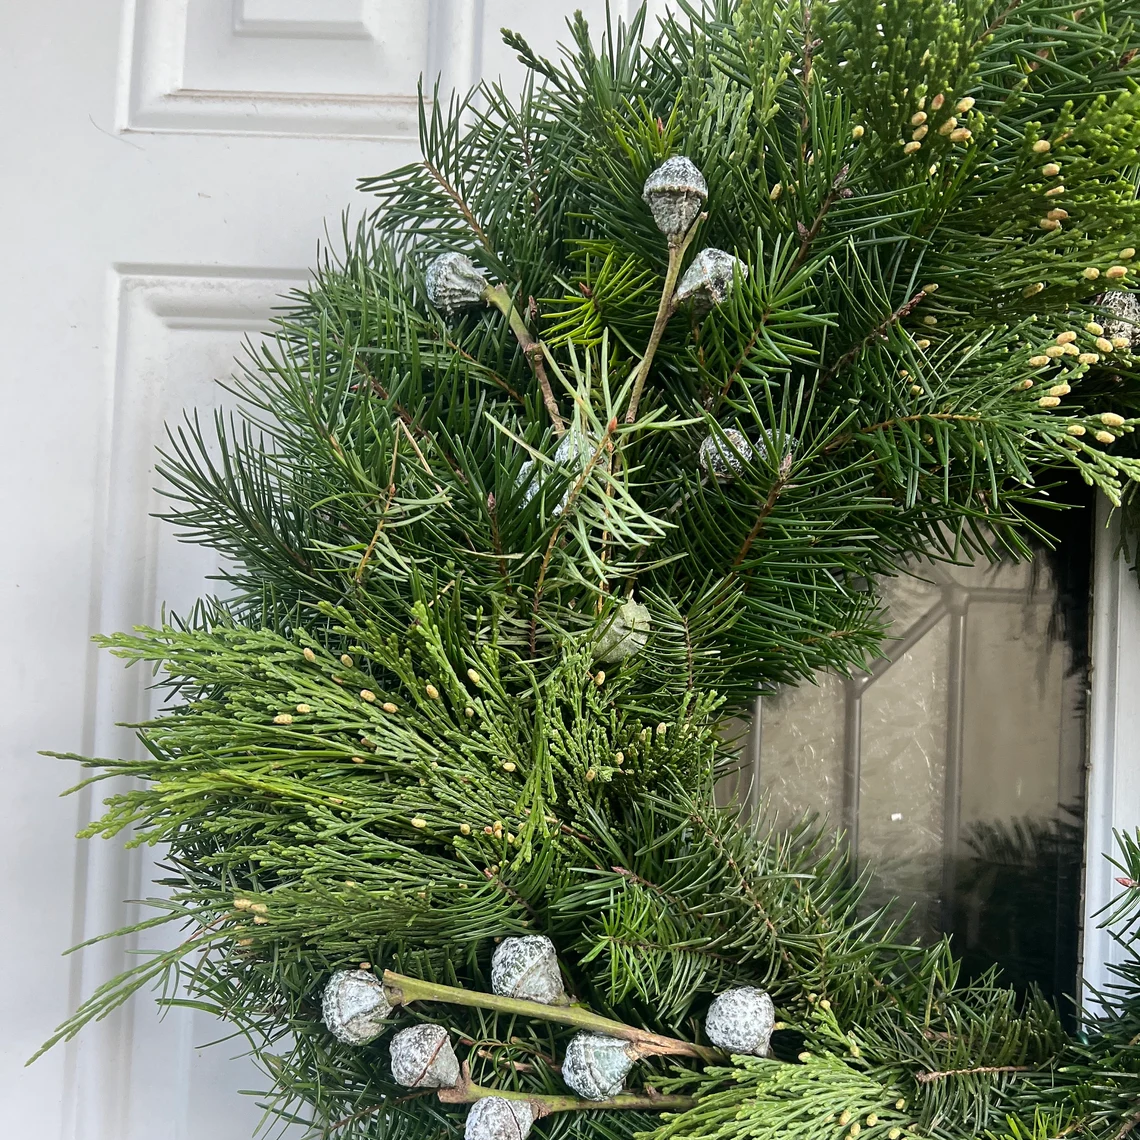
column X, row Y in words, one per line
column 1126, row 307
column 355, row 1006
column 496, row 1118
column 741, row 1021
column 595, row 1066
column 675, row 192
column 527, row 968
column 573, row 451
column 723, row 456
column 454, row 283
column 422, row 1058
column 625, row 635
column 708, row 281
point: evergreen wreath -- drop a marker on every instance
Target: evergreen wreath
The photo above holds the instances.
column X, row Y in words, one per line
column 609, row 415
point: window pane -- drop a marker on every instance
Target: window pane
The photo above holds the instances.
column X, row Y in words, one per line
column 956, row 764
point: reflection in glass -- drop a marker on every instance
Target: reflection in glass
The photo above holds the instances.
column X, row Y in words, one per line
column 956, row 763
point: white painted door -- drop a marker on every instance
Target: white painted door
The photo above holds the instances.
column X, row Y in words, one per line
column 168, row 168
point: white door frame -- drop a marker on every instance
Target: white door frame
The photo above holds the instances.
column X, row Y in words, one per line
column 1112, row 795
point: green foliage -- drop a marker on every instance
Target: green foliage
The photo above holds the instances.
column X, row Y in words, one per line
column 823, row 1096
column 392, row 742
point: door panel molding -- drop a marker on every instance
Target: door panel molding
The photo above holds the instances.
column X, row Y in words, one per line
column 174, row 329
column 239, row 67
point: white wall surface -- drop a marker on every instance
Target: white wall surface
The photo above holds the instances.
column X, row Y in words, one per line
column 168, row 167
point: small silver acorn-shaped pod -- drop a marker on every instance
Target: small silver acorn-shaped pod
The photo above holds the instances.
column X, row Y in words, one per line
column 574, row 446
column 708, row 281
column 454, row 283
column 724, row 456
column 1124, row 304
column 496, row 1118
column 355, row 1006
column 422, row 1058
column 741, row 1021
column 675, row 192
column 625, row 635
column 595, row 1066
column 527, row 967
column 574, row 451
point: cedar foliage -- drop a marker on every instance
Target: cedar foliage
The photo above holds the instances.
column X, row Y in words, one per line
column 392, row 742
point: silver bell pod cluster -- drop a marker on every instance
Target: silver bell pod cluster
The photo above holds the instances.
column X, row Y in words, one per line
column 595, row 1066
column 422, row 1058
column 708, row 281
column 527, row 968
column 497, row 1118
column 454, row 283
column 1126, row 307
column 355, row 1006
column 626, row 633
column 676, row 193
column 741, row 1021
column 723, row 456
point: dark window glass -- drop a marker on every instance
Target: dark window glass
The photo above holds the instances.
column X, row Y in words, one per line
column 956, row 764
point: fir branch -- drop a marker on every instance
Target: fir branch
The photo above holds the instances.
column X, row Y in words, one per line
column 390, row 494
column 808, row 234
column 401, row 990
column 495, row 377
column 460, row 202
column 886, row 425
column 927, row 1077
column 534, row 351
column 575, row 490
column 769, row 505
column 877, row 333
column 467, row 1092
column 1128, row 1126
column 678, row 246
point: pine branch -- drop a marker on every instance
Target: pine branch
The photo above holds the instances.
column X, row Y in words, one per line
column 927, row 1077
column 877, row 333
column 808, row 234
column 460, row 202
column 678, row 246
column 777, row 489
column 467, row 1092
column 402, row 990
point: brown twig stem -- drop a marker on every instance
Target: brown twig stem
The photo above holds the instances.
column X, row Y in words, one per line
column 402, row 990
column 769, row 506
column 808, row 235
column 926, row 1078
column 665, row 309
column 383, row 515
column 879, row 331
column 571, row 496
column 533, row 349
column 460, row 203
column 1128, row 1125
column 467, row 1092
column 885, row 425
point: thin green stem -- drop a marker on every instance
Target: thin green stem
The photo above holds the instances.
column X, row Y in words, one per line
column 402, row 990
column 533, row 350
column 665, row 309
column 545, row 1104
column 604, row 443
